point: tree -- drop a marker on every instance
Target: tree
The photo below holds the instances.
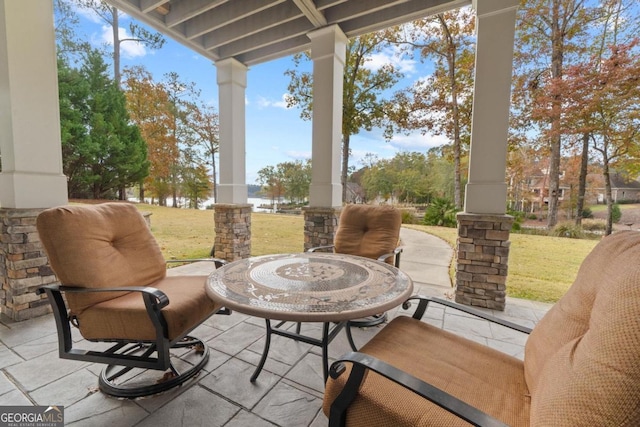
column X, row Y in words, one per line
column 272, row 183
column 362, row 106
column 206, row 125
column 441, row 103
column 137, row 34
column 551, row 34
column 609, row 94
column 108, row 153
column 150, row 108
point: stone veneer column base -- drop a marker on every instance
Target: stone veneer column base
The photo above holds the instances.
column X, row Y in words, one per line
column 233, row 231
column 24, row 266
column 483, row 254
column 320, row 226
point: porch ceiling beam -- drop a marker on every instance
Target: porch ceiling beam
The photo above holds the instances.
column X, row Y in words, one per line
column 185, row 10
column 406, row 12
column 273, row 36
column 225, row 15
column 313, row 15
column 147, row 6
column 250, row 25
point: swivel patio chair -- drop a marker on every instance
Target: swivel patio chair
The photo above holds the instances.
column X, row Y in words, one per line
column 115, row 291
column 581, row 363
column 369, row 231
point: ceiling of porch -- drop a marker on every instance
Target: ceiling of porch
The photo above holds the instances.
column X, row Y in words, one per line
column 255, row 31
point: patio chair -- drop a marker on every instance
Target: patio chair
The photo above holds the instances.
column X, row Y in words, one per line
column 581, row 363
column 114, row 289
column 369, row 231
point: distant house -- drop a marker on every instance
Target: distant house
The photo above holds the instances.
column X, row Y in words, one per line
column 355, row 193
column 623, row 189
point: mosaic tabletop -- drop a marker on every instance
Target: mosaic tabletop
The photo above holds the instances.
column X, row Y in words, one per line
column 309, row 286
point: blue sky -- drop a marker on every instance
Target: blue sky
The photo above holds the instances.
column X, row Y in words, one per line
column 274, row 134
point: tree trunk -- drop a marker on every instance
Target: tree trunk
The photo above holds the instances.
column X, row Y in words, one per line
column 607, row 192
column 557, row 56
column 582, row 181
column 141, row 196
column 116, row 47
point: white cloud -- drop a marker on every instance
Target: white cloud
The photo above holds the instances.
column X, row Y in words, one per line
column 299, row 155
column 417, row 141
column 267, row 103
column 391, row 55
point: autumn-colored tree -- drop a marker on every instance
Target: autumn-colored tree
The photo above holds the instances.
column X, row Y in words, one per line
column 206, row 126
column 149, row 106
column 272, row 184
column 550, row 35
column 604, row 98
column 363, row 106
column 441, row 103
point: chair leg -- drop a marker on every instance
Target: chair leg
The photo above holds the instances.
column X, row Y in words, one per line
column 145, row 382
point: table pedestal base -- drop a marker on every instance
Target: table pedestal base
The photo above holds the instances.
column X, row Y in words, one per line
column 328, row 334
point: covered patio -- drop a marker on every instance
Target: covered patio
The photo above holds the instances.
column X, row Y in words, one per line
column 235, row 36
column 288, row 392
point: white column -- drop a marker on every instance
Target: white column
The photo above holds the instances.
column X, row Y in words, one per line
column 486, row 191
column 328, row 51
column 31, row 174
column 232, row 82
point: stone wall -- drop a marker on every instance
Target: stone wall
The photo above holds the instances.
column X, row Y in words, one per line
column 320, row 226
column 233, row 231
column 24, row 267
column 482, row 257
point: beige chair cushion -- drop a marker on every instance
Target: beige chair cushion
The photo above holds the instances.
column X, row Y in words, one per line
column 188, row 306
column 368, row 231
column 479, row 375
column 582, row 361
column 100, row 246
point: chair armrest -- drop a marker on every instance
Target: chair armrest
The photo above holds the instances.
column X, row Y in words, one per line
column 160, row 299
column 361, row 363
column 396, row 253
column 424, row 302
column 318, row 248
column 219, row 262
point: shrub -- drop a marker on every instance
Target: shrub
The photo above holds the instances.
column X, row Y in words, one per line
column 594, row 224
column 441, row 212
column 408, row 218
column 587, row 213
column 568, row 229
column 616, row 214
column 532, row 216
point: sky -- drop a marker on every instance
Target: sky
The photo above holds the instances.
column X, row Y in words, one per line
column 274, row 134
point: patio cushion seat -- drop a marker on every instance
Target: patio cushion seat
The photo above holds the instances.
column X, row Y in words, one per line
column 189, row 307
column 581, row 364
column 479, row 375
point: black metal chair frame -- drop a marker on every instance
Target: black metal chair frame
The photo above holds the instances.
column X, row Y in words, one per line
column 124, row 354
column 361, row 363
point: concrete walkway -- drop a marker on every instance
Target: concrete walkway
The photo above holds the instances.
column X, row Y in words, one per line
column 288, row 391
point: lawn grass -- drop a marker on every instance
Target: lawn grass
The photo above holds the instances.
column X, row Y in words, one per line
column 189, row 233
column 541, row 268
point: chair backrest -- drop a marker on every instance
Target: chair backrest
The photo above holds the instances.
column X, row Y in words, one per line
column 99, row 246
column 582, row 360
column 368, row 231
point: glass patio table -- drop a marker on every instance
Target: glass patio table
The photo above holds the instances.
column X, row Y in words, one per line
column 308, row 287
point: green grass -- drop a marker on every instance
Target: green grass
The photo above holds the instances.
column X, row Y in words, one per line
column 541, row 268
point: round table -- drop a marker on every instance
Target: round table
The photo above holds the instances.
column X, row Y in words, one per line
column 309, row 287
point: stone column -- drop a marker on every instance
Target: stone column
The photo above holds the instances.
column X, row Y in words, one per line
column 483, row 254
column 24, row 267
column 483, row 227
column 233, row 231
column 31, row 177
column 320, row 226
